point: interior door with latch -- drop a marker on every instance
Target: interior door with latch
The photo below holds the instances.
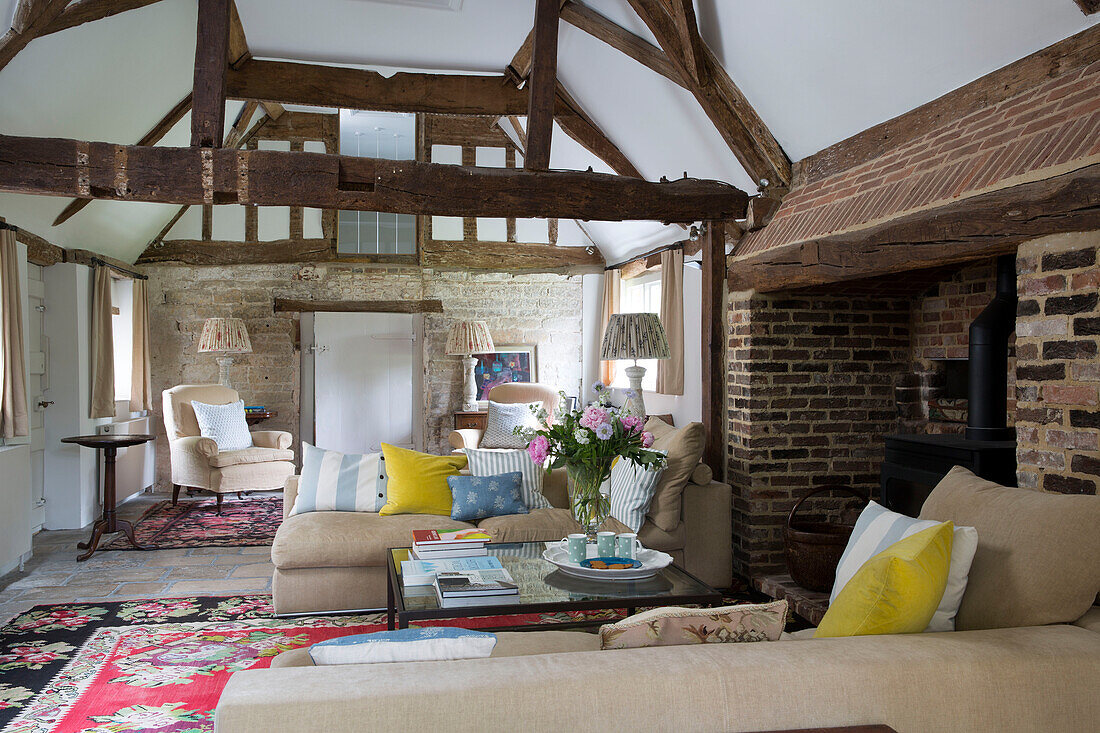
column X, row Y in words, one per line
column 38, row 382
column 367, row 381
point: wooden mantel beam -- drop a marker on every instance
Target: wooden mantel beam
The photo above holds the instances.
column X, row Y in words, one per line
column 211, row 63
column 980, row 226
column 542, row 86
column 62, row 167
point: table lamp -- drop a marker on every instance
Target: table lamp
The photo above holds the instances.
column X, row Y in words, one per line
column 634, row 336
column 224, row 336
column 467, row 338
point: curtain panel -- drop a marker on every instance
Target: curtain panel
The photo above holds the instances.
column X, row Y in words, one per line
column 670, row 372
column 141, row 390
column 103, row 346
column 13, row 366
column 612, row 282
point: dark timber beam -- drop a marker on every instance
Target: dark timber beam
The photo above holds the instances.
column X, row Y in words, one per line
column 510, row 257
column 286, row 305
column 740, row 126
column 588, row 20
column 61, row 167
column 980, row 226
column 87, row 11
column 211, row 63
column 714, row 346
column 32, row 17
column 542, row 86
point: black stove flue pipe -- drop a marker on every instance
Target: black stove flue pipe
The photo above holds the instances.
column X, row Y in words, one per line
column 989, row 334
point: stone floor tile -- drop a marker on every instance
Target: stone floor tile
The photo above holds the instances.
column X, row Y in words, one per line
column 230, row 559
column 254, row 570
column 139, row 590
column 172, row 562
column 235, row 585
column 216, row 551
column 36, row 580
column 197, row 572
column 265, row 550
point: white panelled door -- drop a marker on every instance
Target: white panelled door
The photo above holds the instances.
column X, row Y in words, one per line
column 367, row 381
column 37, row 383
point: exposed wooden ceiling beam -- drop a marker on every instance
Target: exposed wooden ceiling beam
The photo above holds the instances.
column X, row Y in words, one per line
column 966, row 229
column 211, row 63
column 1088, row 7
column 238, row 42
column 60, row 167
column 588, row 20
column 581, row 128
column 510, row 257
column 152, row 137
column 87, row 11
column 542, row 85
column 32, row 17
column 240, row 125
column 735, row 119
column 683, row 15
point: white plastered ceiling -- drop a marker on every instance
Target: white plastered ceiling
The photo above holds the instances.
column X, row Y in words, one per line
column 815, row 72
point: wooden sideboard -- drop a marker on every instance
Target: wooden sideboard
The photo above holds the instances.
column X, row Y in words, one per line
column 477, row 420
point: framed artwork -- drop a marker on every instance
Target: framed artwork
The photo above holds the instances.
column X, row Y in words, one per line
column 509, row 363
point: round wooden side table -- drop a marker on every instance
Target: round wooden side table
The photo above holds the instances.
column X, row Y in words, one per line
column 109, row 523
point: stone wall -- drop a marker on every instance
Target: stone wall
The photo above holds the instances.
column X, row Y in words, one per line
column 530, row 309
column 1058, row 368
column 810, row 396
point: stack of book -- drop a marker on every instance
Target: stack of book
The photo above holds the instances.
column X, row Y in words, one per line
column 254, row 409
column 423, row 572
column 475, row 588
column 431, row 544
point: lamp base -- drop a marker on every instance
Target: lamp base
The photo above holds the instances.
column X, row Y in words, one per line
column 224, row 362
column 469, row 387
column 636, row 404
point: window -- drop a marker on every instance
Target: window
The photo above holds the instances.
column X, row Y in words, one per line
column 387, row 135
column 640, row 295
column 122, row 333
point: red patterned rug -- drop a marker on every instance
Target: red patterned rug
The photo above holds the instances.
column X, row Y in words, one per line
column 158, row 664
column 244, row 522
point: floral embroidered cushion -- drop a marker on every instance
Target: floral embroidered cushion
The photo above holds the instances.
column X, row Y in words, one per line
column 481, row 497
column 502, row 420
column 675, row 626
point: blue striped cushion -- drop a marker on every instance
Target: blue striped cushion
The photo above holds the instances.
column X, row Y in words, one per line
column 493, row 462
column 334, row 482
column 632, row 488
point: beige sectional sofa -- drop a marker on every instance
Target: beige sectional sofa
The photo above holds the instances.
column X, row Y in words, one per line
column 1038, row 562
column 335, row 561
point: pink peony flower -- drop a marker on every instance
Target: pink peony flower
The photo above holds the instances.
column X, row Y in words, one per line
column 539, row 449
column 593, row 417
column 632, row 423
column 647, row 440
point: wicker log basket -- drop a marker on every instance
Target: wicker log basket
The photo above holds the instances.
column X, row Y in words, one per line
column 814, row 548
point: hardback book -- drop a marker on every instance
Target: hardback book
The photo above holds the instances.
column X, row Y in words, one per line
column 423, row 572
column 475, row 583
column 449, row 552
column 468, row 601
column 439, row 539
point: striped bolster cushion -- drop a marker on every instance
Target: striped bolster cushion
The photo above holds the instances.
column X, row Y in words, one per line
column 493, row 462
column 632, row 488
column 334, row 482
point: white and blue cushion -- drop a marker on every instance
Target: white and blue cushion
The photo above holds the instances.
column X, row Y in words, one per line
column 631, row 488
column 493, row 462
column 224, row 424
column 481, row 497
column 502, row 420
column 334, row 482
column 431, row 644
column 877, row 528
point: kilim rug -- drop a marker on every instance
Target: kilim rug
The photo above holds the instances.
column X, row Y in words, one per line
column 159, row 664
column 243, row 523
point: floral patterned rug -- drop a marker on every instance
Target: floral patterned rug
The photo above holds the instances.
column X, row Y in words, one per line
column 157, row 664
column 244, row 522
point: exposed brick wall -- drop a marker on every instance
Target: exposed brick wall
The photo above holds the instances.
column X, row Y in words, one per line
column 1058, row 364
column 1051, row 128
column 537, row 309
column 810, row 397
column 940, row 328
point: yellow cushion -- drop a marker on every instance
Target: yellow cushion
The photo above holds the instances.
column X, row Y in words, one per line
column 896, row 591
column 418, row 481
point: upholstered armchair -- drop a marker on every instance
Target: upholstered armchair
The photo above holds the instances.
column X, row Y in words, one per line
column 507, row 394
column 197, row 464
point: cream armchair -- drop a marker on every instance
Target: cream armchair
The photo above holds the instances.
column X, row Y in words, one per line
column 198, row 464
column 507, row 394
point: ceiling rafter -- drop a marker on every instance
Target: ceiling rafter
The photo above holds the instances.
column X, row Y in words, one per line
column 735, row 119
column 212, row 49
column 588, row 20
column 87, row 11
column 542, row 85
column 32, row 17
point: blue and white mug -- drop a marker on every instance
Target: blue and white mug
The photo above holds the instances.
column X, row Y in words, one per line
column 627, row 545
column 575, row 546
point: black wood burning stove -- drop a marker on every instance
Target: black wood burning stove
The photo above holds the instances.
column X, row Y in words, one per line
column 914, row 464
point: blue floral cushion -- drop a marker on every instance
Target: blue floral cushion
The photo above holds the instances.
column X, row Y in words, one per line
column 480, row 497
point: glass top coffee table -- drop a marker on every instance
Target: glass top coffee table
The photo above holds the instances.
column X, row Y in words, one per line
column 545, row 589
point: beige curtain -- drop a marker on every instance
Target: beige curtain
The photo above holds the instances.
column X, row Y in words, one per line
column 611, row 286
column 141, row 391
column 13, row 368
column 670, row 372
column 103, row 346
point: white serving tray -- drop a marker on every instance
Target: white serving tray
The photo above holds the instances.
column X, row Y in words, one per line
column 653, row 561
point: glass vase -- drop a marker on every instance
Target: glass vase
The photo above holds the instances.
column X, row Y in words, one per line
column 590, row 506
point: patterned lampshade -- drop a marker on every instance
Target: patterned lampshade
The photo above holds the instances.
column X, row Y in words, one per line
column 225, row 335
column 634, row 336
column 469, row 337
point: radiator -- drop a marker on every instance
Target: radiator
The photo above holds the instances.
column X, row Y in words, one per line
column 134, row 466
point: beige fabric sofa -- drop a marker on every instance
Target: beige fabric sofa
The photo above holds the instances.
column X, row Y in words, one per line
column 335, row 561
column 198, row 464
column 982, row 680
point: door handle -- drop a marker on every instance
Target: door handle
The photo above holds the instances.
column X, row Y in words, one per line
column 43, row 404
